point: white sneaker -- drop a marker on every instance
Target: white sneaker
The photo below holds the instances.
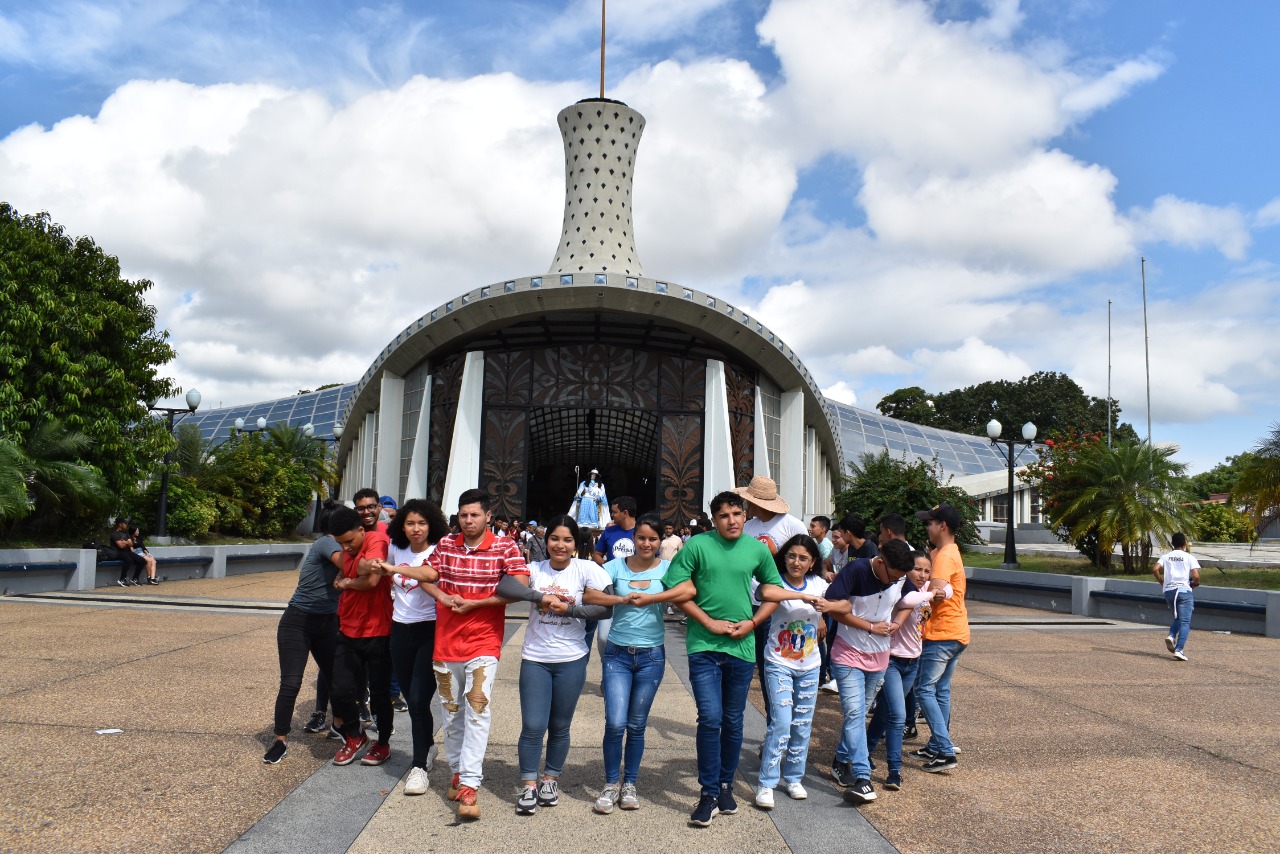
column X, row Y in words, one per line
column 764, row 798
column 830, row 687
column 1180, row 655
column 417, row 783
column 1168, row 642
column 796, row 791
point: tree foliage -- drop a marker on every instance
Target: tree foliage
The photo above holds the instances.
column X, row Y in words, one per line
column 1052, row 401
column 1258, row 488
column 880, row 484
column 1219, row 523
column 46, row 486
column 1220, row 479
column 78, row 343
column 1100, row 497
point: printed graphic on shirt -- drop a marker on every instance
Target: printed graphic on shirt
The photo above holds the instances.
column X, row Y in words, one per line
column 548, row 617
column 796, row 640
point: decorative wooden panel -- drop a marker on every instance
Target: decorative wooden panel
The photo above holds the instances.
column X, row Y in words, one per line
column 682, row 383
column 446, row 384
column 594, row 375
column 508, row 377
column 504, row 451
column 680, row 467
column 741, row 391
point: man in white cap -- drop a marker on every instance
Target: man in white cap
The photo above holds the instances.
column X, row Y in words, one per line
column 769, row 515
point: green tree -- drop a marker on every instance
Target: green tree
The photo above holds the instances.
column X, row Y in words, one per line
column 1222, row 478
column 1259, row 485
column 912, row 404
column 1052, row 401
column 14, row 502
column 79, row 343
column 1125, row 495
column 1218, row 523
column 306, row 455
column 880, row 484
column 48, row 486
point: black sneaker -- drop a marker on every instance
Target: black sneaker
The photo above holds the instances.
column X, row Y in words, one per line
column 726, row 804
column 527, row 803
column 910, row 733
column 398, row 704
column 366, row 717
column 860, row 792
column 122, row 583
column 939, row 763
column 548, row 792
column 152, row 581
column 923, row 753
column 316, row 724
column 894, row 781
column 706, row 810
column 334, row 733
column 842, row 773
column 277, row 751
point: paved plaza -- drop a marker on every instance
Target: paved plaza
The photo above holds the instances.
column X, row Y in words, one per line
column 1077, row 735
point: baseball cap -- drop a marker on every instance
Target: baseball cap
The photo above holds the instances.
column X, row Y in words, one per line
column 387, row 501
column 944, row 513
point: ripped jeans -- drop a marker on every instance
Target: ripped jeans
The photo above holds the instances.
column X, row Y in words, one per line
column 791, row 695
column 465, row 690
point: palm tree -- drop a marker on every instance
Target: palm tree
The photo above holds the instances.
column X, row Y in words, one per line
column 14, row 503
column 55, row 483
column 308, row 455
column 1127, row 495
column 1259, row 484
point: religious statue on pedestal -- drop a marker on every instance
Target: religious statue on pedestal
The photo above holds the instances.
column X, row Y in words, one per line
column 590, row 504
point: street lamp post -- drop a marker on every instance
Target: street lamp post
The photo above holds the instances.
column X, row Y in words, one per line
column 162, row 510
column 309, row 431
column 1028, row 439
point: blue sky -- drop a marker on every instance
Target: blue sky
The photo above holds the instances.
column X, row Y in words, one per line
column 919, row 193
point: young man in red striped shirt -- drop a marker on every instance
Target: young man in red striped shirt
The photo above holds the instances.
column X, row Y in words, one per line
column 470, row 621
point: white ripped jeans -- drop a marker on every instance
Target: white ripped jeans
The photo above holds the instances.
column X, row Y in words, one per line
column 466, row 687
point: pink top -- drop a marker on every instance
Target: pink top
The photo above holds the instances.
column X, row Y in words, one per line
column 905, row 642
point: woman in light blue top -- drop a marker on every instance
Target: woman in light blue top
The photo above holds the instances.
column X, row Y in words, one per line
column 634, row 660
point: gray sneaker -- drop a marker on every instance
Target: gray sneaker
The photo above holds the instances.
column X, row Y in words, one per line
column 527, row 803
column 548, row 792
column 630, row 800
column 608, row 799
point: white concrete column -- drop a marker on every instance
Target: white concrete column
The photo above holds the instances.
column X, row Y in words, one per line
column 464, row 455
column 717, row 437
column 416, row 486
column 762, row 440
column 791, row 451
column 367, row 433
column 390, row 423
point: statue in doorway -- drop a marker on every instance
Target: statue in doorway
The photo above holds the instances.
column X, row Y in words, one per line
column 590, row 504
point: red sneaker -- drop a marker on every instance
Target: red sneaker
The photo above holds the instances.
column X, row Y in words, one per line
column 377, row 754
column 467, row 806
column 353, row 745
column 454, row 787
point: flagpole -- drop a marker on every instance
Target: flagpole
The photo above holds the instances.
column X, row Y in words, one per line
column 602, row 11
column 1146, row 346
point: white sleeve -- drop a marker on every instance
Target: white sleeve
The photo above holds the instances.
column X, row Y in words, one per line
column 594, row 576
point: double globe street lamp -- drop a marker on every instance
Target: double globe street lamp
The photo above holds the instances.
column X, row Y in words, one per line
column 162, row 510
column 1010, row 452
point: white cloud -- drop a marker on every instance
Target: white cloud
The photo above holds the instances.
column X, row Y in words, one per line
column 1268, row 215
column 841, row 392
column 1183, row 223
column 974, row 361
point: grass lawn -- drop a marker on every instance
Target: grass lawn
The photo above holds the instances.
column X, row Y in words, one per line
column 1257, row 578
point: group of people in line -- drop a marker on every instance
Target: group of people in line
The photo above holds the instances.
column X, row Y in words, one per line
column 759, row 589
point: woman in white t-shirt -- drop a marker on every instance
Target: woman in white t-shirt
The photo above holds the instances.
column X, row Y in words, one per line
column 792, row 659
column 553, row 662
column 418, row 526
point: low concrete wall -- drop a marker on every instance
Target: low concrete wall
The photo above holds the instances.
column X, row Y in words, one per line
column 45, row 570
column 1231, row 609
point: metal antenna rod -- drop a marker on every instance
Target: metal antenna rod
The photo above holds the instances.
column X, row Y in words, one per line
column 1146, row 346
column 602, row 11
column 1108, row 373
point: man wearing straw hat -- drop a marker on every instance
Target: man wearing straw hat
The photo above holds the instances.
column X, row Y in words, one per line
column 769, row 515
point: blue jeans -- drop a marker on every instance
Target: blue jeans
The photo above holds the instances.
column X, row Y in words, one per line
column 933, row 691
column 548, row 696
column 792, row 695
column 631, row 679
column 857, row 689
column 720, row 682
column 890, row 716
column 1183, row 603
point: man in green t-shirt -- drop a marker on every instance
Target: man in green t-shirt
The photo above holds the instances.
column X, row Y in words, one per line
column 714, row 571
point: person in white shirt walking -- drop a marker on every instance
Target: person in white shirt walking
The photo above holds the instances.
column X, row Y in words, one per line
column 1179, row 572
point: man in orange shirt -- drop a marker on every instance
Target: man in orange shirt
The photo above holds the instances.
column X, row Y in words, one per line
column 946, row 636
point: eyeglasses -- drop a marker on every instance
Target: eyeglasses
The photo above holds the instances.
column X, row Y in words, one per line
column 368, row 508
column 799, row 559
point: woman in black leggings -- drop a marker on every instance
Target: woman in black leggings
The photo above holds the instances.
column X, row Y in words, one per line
column 309, row 626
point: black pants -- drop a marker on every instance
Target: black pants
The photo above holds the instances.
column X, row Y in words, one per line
column 353, row 654
column 413, row 646
column 762, row 640
column 129, row 560
column 301, row 634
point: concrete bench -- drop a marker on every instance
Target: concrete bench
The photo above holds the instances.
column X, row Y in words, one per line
column 1150, row 599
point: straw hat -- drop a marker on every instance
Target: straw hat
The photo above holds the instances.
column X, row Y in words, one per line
column 763, row 493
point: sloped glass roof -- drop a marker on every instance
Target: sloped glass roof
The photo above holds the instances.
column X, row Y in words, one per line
column 319, row 408
column 959, row 454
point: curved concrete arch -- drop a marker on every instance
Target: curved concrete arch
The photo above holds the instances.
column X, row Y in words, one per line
column 449, row 326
